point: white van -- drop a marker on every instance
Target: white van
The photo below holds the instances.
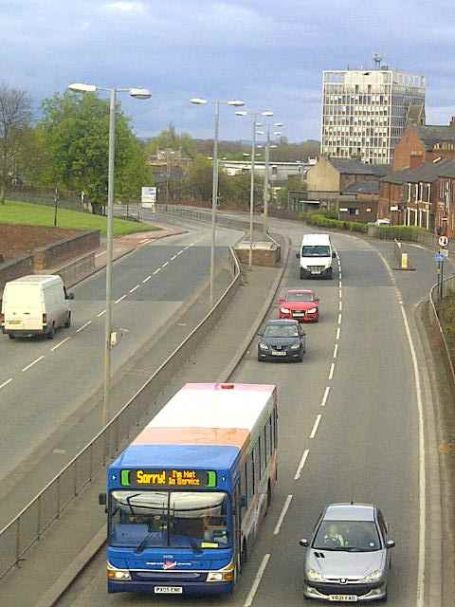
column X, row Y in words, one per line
column 316, row 255
column 35, row 305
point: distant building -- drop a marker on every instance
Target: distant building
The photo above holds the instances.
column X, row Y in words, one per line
column 365, row 112
column 427, row 143
column 279, row 172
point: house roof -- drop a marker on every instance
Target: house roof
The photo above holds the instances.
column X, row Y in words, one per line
column 355, row 167
column 363, row 187
column 426, row 172
column 432, row 134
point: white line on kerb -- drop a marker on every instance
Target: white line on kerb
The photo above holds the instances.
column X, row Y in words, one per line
column 101, row 313
column 89, row 322
column 5, row 383
column 156, row 271
column 325, row 397
column 166, row 263
column 120, row 299
column 287, row 503
column 147, row 279
column 335, row 351
column 332, row 370
column 33, row 363
column 257, row 581
column 339, row 319
column 338, row 333
column 60, row 343
column 301, row 464
column 316, row 425
column 134, row 288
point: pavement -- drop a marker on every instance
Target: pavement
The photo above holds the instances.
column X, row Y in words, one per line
column 71, row 541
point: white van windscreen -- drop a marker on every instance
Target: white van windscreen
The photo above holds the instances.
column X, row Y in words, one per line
column 316, row 251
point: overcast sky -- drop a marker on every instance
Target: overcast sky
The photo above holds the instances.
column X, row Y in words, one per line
column 269, row 53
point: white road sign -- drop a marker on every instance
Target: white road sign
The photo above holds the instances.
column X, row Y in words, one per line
column 443, row 241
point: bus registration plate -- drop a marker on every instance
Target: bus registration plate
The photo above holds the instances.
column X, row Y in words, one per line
column 168, row 590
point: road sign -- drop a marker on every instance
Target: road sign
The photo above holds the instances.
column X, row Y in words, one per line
column 438, row 257
column 443, row 241
column 444, row 253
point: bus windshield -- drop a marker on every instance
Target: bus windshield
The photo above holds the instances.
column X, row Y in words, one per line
column 316, row 251
column 163, row 519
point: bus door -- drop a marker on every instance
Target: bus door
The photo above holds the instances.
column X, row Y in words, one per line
column 237, row 505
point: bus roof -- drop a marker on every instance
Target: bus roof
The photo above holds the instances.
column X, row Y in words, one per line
column 197, row 421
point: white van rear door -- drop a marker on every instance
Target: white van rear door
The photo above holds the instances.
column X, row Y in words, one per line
column 24, row 307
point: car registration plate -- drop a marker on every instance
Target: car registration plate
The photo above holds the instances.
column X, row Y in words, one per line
column 299, row 314
column 14, row 322
column 278, row 353
column 168, row 590
column 343, row 598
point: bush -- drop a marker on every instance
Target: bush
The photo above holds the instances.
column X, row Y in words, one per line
column 324, row 221
column 409, row 233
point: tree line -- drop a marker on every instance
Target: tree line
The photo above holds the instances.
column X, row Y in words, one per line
column 67, row 148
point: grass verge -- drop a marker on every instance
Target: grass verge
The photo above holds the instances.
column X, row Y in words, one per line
column 40, row 215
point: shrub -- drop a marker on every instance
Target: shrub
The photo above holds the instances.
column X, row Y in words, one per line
column 409, row 233
column 324, row 221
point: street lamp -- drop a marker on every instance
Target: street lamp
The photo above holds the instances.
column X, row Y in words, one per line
column 255, row 124
column 266, row 175
column 217, row 103
column 138, row 93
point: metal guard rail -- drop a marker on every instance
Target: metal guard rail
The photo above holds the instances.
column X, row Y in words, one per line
column 449, row 284
column 37, row 516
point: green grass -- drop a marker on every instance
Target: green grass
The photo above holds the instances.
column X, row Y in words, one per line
column 40, row 215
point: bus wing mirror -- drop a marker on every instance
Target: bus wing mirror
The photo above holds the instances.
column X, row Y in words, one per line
column 334, row 255
column 297, row 255
column 102, row 499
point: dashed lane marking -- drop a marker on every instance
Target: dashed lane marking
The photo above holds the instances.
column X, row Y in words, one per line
column 285, row 508
column 332, row 371
column 257, row 581
column 134, row 288
column 301, row 464
column 5, row 383
column 101, row 313
column 317, row 421
column 166, row 263
column 339, row 318
column 33, row 363
column 147, row 279
column 156, row 271
column 84, row 326
column 120, row 299
column 338, row 333
column 335, row 351
column 326, row 396
column 60, row 343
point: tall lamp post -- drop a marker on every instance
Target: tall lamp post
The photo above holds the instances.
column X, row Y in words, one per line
column 216, row 103
column 138, row 93
column 255, row 124
column 266, row 176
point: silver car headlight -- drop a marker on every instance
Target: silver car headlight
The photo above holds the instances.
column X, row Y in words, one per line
column 374, row 576
column 263, row 346
column 295, row 346
column 314, row 576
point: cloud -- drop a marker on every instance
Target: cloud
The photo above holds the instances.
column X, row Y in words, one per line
column 122, row 6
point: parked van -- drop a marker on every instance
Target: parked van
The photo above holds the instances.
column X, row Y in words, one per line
column 35, row 305
column 315, row 255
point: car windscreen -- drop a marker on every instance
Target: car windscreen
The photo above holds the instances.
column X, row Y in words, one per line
column 352, row 536
column 281, row 331
column 184, row 519
column 299, row 296
column 316, row 251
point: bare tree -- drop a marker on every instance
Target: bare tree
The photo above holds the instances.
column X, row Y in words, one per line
column 15, row 117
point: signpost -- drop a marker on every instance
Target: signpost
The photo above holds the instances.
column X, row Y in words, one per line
column 439, row 258
column 148, row 198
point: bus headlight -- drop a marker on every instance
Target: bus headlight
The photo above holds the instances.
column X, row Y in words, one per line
column 118, row 575
column 227, row 575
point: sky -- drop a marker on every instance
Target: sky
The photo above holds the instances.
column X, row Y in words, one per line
column 268, row 53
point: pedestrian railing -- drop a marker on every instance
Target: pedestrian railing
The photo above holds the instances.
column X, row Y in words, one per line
column 32, row 522
column 448, row 288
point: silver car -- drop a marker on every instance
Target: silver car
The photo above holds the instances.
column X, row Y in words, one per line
column 348, row 558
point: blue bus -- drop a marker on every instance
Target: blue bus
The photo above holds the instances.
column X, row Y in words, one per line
column 186, row 498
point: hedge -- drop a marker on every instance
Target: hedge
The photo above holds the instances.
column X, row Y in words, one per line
column 315, row 219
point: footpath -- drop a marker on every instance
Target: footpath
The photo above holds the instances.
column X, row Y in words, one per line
column 67, row 546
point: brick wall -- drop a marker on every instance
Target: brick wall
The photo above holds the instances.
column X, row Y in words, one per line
column 9, row 270
column 54, row 254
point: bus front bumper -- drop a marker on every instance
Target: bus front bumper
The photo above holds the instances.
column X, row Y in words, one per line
column 156, row 588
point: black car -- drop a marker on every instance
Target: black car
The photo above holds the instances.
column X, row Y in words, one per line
column 281, row 339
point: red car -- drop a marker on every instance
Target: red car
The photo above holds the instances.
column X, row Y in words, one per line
column 300, row 304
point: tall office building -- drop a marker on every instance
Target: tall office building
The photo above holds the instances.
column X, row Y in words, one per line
column 364, row 113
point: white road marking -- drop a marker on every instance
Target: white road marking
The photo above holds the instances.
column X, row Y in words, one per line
column 325, row 397
column 257, row 581
column 335, row 351
column 340, row 306
column 101, row 313
column 89, row 322
column 120, row 299
column 60, row 343
column 180, row 252
column 422, row 452
column 287, row 503
column 332, row 370
column 33, row 363
column 340, row 295
column 5, row 383
column 339, row 319
column 317, row 421
column 338, row 333
column 301, row 464
column 166, row 263
column 173, row 257
column 156, row 271
column 134, row 288
column 147, row 279
column 59, row 451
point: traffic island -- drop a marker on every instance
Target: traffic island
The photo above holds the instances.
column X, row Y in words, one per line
column 264, row 253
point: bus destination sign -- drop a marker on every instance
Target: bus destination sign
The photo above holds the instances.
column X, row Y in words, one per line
column 168, row 478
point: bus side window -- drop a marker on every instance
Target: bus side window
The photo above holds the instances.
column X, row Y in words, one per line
column 257, row 462
column 244, row 482
column 250, row 477
column 275, row 429
column 270, row 432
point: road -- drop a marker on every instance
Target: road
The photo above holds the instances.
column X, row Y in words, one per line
column 349, row 430
column 45, row 382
